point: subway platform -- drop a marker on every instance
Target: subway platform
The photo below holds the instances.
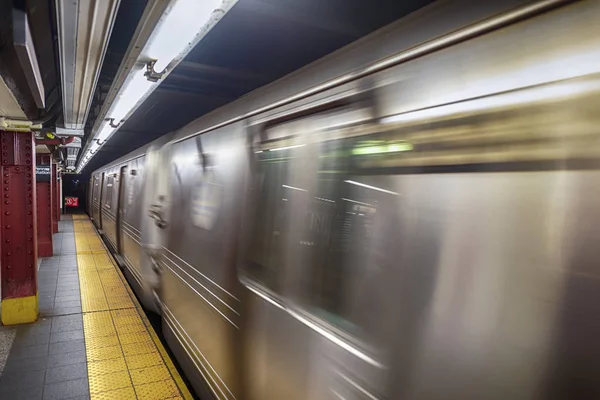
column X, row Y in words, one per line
column 92, row 339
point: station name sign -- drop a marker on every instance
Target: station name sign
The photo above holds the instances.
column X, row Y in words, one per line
column 42, row 173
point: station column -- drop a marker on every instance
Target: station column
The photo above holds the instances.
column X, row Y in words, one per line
column 18, row 263
column 58, row 206
column 55, row 211
column 44, row 204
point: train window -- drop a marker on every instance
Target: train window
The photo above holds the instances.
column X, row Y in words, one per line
column 108, row 191
column 339, row 235
column 270, row 231
column 334, row 231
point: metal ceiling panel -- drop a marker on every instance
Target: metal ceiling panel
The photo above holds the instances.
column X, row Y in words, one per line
column 84, row 28
column 26, row 53
column 9, row 107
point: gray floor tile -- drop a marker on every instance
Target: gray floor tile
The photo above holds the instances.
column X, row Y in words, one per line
column 33, row 351
column 60, row 310
column 30, row 340
column 67, row 326
column 33, row 329
column 15, row 380
column 47, row 280
column 66, row 347
column 66, row 373
column 71, row 297
column 23, row 365
column 49, row 299
column 57, row 360
column 68, row 278
column 46, row 311
column 69, row 303
column 65, row 293
column 25, row 393
column 67, row 283
column 66, row 390
column 44, row 321
column 70, row 286
column 67, row 318
column 58, row 337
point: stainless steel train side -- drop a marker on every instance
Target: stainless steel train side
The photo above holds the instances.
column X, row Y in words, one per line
column 411, row 217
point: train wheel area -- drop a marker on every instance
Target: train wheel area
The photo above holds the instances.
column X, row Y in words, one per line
column 92, row 338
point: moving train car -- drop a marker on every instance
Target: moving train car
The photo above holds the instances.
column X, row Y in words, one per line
column 415, row 216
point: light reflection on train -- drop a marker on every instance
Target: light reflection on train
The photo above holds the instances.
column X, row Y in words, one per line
column 423, row 228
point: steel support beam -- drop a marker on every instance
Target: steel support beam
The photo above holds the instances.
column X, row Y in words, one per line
column 18, row 241
column 54, row 212
column 44, row 204
column 58, row 197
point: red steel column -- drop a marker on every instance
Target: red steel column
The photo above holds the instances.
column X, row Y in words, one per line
column 44, row 205
column 18, row 260
column 54, row 184
column 57, row 206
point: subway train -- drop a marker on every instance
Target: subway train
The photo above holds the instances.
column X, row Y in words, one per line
column 415, row 216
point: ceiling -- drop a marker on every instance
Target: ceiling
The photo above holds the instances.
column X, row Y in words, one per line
column 41, row 24
column 257, row 42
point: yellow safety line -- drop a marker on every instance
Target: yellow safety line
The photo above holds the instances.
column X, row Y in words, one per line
column 126, row 359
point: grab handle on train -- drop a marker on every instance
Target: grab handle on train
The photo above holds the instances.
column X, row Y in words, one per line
column 156, row 212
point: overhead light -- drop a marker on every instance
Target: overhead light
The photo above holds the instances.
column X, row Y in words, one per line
column 166, row 33
column 130, row 95
column 175, row 33
column 105, row 133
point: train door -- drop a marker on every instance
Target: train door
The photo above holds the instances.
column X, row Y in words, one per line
column 95, row 195
column 151, row 224
column 100, row 197
column 304, row 264
column 89, row 198
column 120, row 207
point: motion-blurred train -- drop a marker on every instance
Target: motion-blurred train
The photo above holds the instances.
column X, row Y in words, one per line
column 416, row 216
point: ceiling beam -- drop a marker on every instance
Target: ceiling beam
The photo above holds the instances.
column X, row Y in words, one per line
column 304, row 16
column 84, row 28
column 222, row 71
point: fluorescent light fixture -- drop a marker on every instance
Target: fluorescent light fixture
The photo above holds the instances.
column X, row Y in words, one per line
column 105, row 133
column 372, row 187
column 166, row 33
column 184, row 20
column 130, row 95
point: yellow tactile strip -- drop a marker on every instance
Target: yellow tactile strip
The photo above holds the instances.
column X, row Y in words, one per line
column 126, row 360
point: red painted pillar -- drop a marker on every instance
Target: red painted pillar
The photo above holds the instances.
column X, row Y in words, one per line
column 57, row 206
column 44, row 204
column 53, row 212
column 18, row 260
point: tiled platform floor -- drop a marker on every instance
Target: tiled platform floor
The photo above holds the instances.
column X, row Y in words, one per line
column 92, row 339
